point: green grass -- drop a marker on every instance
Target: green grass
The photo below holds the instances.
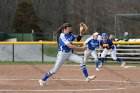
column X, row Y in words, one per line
column 51, row 51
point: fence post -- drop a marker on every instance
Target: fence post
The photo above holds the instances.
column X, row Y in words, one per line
column 42, row 53
column 22, row 36
column 13, row 52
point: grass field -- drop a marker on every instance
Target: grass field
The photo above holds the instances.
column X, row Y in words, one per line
column 51, row 51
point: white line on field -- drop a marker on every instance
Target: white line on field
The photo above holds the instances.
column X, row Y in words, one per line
column 82, row 80
column 78, row 65
column 129, row 66
column 67, row 90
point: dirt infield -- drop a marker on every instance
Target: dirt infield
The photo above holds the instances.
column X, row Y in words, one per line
column 111, row 79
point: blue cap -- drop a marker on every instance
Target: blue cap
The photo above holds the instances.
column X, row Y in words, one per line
column 104, row 34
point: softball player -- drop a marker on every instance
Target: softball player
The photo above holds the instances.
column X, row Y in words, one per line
column 65, row 39
column 109, row 47
column 91, row 43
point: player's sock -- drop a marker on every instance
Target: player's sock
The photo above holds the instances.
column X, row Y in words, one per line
column 96, row 62
column 46, row 76
column 84, row 70
column 102, row 60
column 119, row 60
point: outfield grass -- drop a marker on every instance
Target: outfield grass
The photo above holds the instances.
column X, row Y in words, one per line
column 51, row 51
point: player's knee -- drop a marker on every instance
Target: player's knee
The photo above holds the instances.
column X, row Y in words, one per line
column 81, row 60
column 114, row 58
column 85, row 60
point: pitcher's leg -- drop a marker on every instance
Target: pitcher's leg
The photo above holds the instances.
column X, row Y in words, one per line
column 61, row 58
column 56, row 67
column 77, row 59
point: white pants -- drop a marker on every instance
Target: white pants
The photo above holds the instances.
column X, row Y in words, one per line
column 62, row 57
column 111, row 51
column 88, row 52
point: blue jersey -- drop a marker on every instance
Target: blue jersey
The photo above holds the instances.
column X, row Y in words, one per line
column 65, row 39
column 108, row 44
column 91, row 43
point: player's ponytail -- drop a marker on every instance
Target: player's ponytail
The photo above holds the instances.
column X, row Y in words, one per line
column 60, row 29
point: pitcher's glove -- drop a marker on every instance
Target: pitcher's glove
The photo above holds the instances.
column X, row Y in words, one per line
column 83, row 27
column 84, row 47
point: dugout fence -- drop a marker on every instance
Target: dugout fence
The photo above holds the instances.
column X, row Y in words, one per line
column 47, row 51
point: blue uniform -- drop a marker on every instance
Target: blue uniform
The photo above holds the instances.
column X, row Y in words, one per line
column 65, row 54
column 108, row 47
column 91, row 46
column 108, row 44
column 65, row 39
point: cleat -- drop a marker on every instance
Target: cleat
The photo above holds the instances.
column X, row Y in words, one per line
column 97, row 69
column 123, row 64
column 101, row 65
column 41, row 82
column 89, row 78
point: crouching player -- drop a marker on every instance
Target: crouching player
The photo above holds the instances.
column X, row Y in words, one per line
column 108, row 46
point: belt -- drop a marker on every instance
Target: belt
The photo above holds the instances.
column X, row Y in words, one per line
column 67, row 51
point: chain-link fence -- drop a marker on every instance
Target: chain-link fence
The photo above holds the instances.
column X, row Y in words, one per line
column 129, row 23
column 28, row 52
